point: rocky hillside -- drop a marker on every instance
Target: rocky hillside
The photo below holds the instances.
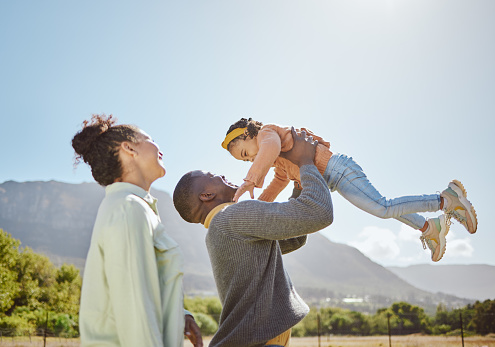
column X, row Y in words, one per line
column 57, row 218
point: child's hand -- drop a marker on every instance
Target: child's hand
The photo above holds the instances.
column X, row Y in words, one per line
column 246, row 186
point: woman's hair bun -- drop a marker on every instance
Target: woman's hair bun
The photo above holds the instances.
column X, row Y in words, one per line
column 84, row 140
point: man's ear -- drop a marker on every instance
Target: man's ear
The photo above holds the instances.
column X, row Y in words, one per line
column 205, row 196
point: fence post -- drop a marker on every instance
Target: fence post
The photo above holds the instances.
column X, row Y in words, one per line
column 462, row 329
column 389, row 334
column 319, row 330
column 46, row 328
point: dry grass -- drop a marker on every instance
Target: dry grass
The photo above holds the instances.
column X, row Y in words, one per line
column 333, row 341
column 38, row 341
column 382, row 341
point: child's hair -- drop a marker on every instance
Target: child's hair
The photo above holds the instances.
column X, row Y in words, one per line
column 252, row 129
column 97, row 144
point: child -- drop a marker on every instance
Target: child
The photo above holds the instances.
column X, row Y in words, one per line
column 260, row 144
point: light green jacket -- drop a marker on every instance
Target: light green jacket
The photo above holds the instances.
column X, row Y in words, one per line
column 132, row 286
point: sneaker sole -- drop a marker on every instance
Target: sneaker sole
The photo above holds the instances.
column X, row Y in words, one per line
column 471, row 216
column 442, row 238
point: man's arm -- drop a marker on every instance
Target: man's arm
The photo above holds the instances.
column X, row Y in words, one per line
column 191, row 330
column 290, row 245
column 310, row 212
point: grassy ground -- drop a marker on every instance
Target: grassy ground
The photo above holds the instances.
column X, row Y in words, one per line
column 383, row 341
column 334, row 341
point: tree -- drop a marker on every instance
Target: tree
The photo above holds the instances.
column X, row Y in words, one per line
column 411, row 319
column 9, row 257
column 66, row 292
column 484, row 318
column 404, row 318
column 30, row 285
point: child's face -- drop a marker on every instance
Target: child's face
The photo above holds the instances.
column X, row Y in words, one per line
column 245, row 150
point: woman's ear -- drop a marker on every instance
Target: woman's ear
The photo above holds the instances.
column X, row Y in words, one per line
column 128, row 148
column 205, row 196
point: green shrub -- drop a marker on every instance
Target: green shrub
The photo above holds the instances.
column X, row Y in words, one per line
column 65, row 326
column 16, row 326
column 207, row 324
column 299, row 330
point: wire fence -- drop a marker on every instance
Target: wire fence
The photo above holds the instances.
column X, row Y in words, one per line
column 321, row 326
column 41, row 337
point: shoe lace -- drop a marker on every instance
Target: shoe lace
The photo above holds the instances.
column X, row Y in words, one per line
column 423, row 241
column 448, row 217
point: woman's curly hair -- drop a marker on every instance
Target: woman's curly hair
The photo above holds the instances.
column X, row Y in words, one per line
column 97, row 144
column 252, row 129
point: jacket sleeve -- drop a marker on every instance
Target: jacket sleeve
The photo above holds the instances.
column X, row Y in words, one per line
column 132, row 275
column 310, row 212
column 269, row 145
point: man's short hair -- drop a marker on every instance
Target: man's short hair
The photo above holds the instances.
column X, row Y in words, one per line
column 182, row 197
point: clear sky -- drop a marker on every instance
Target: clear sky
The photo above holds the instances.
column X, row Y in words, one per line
column 407, row 88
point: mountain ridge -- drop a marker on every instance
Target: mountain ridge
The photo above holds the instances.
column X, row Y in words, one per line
column 56, row 218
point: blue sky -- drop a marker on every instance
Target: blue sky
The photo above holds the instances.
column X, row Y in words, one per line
column 404, row 87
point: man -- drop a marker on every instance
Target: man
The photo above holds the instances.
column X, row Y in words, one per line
column 245, row 243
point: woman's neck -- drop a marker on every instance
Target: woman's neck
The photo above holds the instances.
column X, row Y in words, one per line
column 137, row 180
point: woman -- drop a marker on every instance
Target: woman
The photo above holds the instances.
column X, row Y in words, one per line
column 132, row 286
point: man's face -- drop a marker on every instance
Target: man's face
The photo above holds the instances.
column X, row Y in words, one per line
column 210, row 189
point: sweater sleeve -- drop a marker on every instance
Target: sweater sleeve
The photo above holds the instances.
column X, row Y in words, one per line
column 310, row 212
column 290, row 245
column 279, row 182
column 269, row 145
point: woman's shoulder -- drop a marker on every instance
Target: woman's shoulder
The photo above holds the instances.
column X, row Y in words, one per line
column 122, row 204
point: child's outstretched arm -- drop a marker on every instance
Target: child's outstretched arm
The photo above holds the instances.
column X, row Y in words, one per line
column 279, row 182
column 269, row 144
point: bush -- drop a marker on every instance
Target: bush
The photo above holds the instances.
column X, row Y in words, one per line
column 16, row 326
column 206, row 324
column 65, row 326
column 299, row 330
column 441, row 329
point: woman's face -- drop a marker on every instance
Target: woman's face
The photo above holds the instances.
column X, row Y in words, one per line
column 149, row 157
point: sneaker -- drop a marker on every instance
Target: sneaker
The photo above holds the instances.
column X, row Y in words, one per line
column 458, row 206
column 434, row 237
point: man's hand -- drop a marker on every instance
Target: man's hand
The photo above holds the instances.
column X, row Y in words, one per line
column 191, row 330
column 303, row 151
column 247, row 186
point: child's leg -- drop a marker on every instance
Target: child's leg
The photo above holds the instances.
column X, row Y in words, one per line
column 347, row 177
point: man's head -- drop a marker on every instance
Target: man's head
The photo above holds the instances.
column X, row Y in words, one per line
column 198, row 192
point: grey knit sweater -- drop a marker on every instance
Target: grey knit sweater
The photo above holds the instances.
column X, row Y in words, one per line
column 245, row 242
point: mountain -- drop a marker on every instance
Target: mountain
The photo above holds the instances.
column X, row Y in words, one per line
column 57, row 218
column 467, row 281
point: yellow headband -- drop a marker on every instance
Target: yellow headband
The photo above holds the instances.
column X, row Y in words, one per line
column 232, row 135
